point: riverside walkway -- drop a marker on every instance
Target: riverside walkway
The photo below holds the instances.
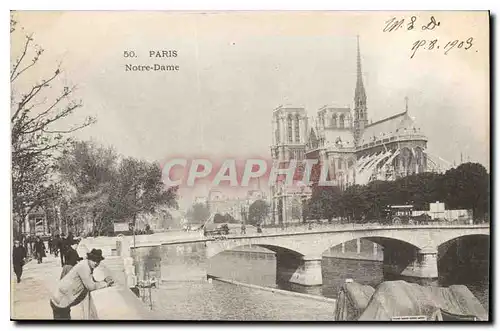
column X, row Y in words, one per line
column 30, row 297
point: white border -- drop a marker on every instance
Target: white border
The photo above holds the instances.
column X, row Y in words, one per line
column 198, row 5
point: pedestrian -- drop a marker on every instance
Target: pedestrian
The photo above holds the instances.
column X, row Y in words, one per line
column 71, row 258
column 23, row 241
column 62, row 248
column 74, row 287
column 39, row 249
column 50, row 243
column 243, row 228
column 32, row 246
column 29, row 251
column 57, row 239
column 18, row 256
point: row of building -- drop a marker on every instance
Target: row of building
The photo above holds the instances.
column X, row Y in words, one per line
column 220, row 202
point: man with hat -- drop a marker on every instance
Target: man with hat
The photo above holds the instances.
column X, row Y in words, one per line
column 74, row 287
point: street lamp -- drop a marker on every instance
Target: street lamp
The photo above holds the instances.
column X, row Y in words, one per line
column 244, row 215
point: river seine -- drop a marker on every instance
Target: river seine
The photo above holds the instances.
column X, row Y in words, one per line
column 221, row 301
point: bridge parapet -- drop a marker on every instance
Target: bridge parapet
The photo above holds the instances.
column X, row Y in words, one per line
column 304, row 228
column 315, row 242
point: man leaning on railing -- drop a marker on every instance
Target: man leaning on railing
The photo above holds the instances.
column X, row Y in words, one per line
column 74, row 286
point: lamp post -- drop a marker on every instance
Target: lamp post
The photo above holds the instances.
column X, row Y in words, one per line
column 244, row 215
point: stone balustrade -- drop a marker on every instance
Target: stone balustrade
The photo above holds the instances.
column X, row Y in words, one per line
column 117, row 302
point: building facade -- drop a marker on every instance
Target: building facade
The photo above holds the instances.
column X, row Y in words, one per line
column 355, row 150
column 220, row 203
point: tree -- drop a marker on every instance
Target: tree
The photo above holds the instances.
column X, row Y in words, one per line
column 219, row 218
column 101, row 189
column 36, row 138
column 378, row 195
column 229, row 218
column 90, row 174
column 141, row 190
column 226, row 218
column 468, row 187
column 354, row 203
column 324, row 202
column 198, row 213
column 257, row 212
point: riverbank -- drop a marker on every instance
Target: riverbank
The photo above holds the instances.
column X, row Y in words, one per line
column 220, row 301
column 275, row 290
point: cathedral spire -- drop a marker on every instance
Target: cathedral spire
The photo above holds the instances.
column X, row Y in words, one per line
column 360, row 113
column 359, row 93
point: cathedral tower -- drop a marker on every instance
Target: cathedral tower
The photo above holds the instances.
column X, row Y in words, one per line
column 290, row 128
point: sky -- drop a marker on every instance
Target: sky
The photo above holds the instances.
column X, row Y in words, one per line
column 236, row 67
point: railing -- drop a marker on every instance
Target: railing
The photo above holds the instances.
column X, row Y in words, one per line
column 326, row 227
column 398, row 137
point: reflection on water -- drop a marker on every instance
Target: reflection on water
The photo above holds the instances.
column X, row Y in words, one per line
column 220, row 301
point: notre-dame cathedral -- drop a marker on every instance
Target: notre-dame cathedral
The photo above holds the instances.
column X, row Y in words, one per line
column 355, row 150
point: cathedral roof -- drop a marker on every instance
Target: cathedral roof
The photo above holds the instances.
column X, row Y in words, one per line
column 391, row 126
column 335, row 136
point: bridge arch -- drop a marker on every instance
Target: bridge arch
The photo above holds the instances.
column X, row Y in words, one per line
column 465, row 258
column 467, row 240
column 450, row 239
column 278, row 248
column 384, row 241
column 445, row 237
column 389, row 240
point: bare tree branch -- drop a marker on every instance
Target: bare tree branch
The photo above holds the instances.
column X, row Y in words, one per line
column 23, row 54
column 33, row 62
column 90, row 122
column 33, row 92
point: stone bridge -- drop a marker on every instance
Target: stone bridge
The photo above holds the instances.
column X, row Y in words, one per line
column 409, row 250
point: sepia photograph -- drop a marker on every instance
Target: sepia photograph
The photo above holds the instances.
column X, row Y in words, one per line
column 329, row 166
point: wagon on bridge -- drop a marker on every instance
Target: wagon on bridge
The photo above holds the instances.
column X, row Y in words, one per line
column 216, row 229
column 399, row 214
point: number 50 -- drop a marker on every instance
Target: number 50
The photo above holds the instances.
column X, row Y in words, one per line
column 128, row 54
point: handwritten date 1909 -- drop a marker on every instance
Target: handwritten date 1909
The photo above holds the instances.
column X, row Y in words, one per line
column 430, row 45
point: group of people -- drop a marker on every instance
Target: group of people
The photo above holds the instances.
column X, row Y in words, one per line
column 33, row 247
column 76, row 278
column 244, row 228
column 27, row 247
column 24, row 248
